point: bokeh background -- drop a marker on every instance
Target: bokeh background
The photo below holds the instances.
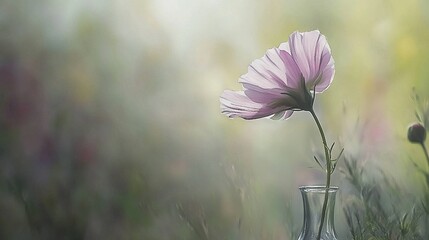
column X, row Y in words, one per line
column 110, row 126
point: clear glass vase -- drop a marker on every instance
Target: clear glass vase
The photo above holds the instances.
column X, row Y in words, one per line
column 313, row 198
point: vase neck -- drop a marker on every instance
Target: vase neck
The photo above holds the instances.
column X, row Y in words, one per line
column 313, row 198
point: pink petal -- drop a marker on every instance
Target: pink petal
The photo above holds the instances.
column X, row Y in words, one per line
column 293, row 73
column 250, row 86
column 326, row 79
column 272, row 57
column 263, row 96
column 298, row 53
column 282, row 115
column 327, row 71
column 285, row 47
column 311, row 52
column 325, row 59
column 311, row 47
column 267, row 72
column 237, row 104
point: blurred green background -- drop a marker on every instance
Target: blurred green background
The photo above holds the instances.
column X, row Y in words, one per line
column 110, row 126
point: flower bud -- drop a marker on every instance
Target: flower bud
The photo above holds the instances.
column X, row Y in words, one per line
column 416, row 133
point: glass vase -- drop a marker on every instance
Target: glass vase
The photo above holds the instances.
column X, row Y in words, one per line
column 313, row 198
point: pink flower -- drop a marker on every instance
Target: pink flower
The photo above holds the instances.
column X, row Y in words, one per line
column 284, row 80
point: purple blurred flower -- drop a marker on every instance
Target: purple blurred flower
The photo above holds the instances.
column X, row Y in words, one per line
column 284, row 80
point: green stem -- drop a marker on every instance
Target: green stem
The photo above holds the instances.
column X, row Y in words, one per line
column 328, row 172
column 427, row 159
column 426, row 152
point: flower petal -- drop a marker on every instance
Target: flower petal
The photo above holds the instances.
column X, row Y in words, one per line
column 293, row 73
column 282, row 115
column 327, row 71
column 237, row 104
column 263, row 96
column 298, row 53
column 285, row 47
column 311, row 52
column 267, row 72
column 311, row 42
column 326, row 79
column 288, row 114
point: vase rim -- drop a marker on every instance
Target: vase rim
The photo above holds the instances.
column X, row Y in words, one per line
column 318, row 188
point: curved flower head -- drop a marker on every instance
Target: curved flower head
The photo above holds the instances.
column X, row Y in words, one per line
column 284, row 80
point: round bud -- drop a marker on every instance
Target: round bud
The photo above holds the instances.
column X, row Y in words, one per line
column 416, row 133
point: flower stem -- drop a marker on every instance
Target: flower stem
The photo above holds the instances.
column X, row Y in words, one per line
column 425, row 151
column 328, row 171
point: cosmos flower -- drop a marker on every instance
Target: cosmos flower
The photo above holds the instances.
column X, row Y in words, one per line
column 285, row 80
